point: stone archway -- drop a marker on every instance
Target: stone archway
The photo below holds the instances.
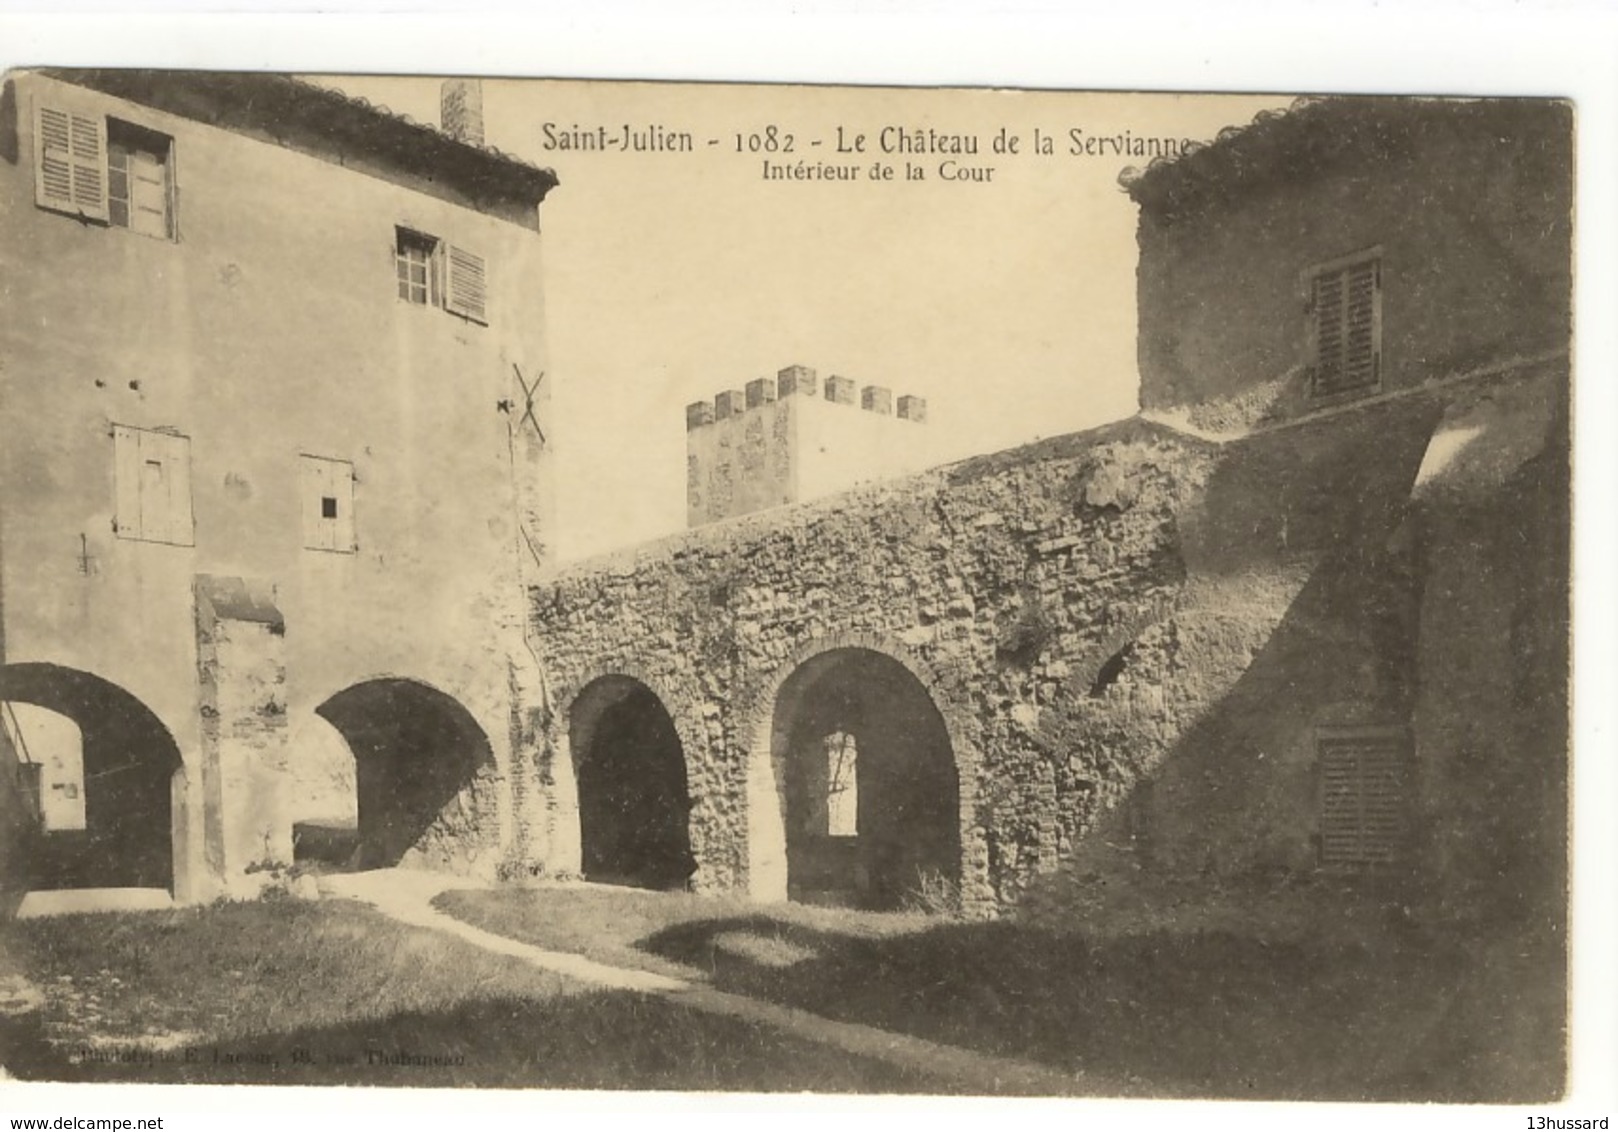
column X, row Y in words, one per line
column 633, row 798
column 419, row 756
column 124, row 764
column 862, row 768
column 322, row 794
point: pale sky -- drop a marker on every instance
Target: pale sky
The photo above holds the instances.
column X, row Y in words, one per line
column 1009, row 305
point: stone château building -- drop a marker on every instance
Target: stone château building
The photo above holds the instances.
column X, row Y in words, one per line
column 271, row 385
column 1302, row 621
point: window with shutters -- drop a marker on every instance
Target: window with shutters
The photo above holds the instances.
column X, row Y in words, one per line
column 415, row 259
column 152, row 470
column 327, row 488
column 102, row 169
column 1345, row 301
column 1364, row 795
column 432, row 272
column 466, row 286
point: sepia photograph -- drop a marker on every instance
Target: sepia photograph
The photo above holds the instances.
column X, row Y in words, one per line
column 736, row 587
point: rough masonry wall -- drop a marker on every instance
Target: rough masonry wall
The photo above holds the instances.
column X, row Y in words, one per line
column 1125, row 614
column 1004, row 584
column 241, row 673
column 1426, row 545
column 741, row 462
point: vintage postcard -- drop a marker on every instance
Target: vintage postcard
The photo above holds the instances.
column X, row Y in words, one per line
column 559, row 584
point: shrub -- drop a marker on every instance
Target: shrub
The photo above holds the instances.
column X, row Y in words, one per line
column 934, row 895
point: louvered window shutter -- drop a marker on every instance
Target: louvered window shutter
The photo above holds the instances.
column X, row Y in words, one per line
column 1361, row 363
column 1328, row 332
column 1347, row 318
column 466, row 285
column 1363, row 793
column 70, row 168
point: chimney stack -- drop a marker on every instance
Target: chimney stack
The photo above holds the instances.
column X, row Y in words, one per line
column 461, row 110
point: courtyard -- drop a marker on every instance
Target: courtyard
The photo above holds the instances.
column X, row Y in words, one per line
column 780, row 998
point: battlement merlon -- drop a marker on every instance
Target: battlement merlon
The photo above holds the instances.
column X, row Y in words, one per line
column 802, row 381
column 793, row 437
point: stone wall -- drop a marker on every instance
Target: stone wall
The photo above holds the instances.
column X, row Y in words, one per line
column 1492, row 521
column 1431, row 603
column 1467, row 203
column 1003, row 584
column 450, row 480
column 241, row 674
column 1090, row 615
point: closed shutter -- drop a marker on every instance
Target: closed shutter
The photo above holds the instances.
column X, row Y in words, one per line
column 152, row 471
column 340, row 486
column 1364, row 784
column 175, row 453
column 148, row 194
column 154, row 498
column 326, row 487
column 70, row 167
column 1347, row 318
column 312, row 487
column 466, row 290
column 126, row 477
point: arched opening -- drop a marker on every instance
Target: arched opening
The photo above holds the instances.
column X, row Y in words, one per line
column 868, row 782
column 417, row 757
column 322, row 795
column 633, row 801
column 95, row 767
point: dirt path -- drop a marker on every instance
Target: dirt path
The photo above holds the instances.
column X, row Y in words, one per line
column 407, row 896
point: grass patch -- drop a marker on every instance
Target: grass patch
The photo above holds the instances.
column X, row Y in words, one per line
column 611, row 925
column 286, row 992
column 1390, row 1016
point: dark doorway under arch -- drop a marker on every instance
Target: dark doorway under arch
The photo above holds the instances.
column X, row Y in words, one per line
column 129, row 761
column 633, row 800
column 417, row 751
column 854, row 721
